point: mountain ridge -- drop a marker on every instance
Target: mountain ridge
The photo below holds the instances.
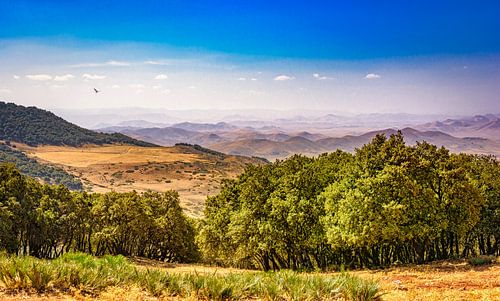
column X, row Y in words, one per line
column 34, row 126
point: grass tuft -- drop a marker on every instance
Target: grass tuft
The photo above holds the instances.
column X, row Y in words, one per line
column 92, row 276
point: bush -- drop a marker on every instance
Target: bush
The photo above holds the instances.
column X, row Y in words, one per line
column 481, row 260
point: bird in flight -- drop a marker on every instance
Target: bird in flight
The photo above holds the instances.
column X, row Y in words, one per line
column 96, row 91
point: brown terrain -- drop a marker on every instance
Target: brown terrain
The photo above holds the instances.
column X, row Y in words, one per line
column 194, row 173
column 477, row 135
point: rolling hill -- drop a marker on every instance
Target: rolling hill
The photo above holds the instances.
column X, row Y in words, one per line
column 273, row 149
column 55, row 151
column 273, row 143
column 485, row 126
column 34, row 126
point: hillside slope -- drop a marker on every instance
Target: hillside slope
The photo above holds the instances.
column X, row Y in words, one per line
column 31, row 167
column 34, row 126
column 191, row 170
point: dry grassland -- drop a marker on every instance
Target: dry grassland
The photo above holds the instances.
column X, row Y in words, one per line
column 194, row 174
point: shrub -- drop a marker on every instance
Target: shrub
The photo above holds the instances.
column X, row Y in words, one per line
column 481, row 260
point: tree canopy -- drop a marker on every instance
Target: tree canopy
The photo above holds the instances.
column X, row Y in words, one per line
column 45, row 221
column 386, row 203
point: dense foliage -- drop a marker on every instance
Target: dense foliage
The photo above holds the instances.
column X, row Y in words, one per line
column 45, row 221
column 31, row 167
column 384, row 204
column 33, row 126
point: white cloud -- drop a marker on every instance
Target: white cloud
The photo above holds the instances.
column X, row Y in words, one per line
column 63, row 78
column 283, row 77
column 159, row 63
column 166, row 91
column 156, row 87
column 242, row 78
column 111, row 63
column 137, row 86
column 39, row 77
column 57, row 86
column 253, row 79
column 321, row 77
column 161, row 76
column 117, row 63
column 16, row 76
column 372, row 76
column 5, row 91
column 115, row 86
column 93, row 76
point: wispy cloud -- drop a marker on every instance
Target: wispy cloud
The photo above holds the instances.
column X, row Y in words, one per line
column 166, row 91
column 93, row 76
column 283, row 77
column 157, row 62
column 57, row 86
column 111, row 63
column 242, row 78
column 156, row 87
column 39, row 77
column 137, row 86
column 372, row 76
column 63, row 78
column 16, row 76
column 5, row 91
column 321, row 77
column 161, row 77
column 115, row 86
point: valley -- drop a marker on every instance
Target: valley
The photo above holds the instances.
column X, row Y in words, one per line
column 194, row 173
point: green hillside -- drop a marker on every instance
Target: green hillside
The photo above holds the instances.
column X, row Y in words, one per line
column 32, row 168
column 34, row 126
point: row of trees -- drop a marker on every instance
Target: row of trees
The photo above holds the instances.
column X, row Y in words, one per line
column 386, row 203
column 46, row 221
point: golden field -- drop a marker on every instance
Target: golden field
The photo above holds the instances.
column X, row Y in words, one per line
column 194, row 174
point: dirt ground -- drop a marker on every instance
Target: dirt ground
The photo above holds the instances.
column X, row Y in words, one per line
column 443, row 281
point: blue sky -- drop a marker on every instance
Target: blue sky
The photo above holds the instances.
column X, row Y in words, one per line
column 305, row 29
column 343, row 56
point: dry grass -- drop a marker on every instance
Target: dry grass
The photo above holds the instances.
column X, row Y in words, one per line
column 124, row 168
column 441, row 281
column 83, row 276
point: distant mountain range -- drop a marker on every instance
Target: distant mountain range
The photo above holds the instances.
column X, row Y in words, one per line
column 279, row 138
column 486, row 126
column 273, row 149
column 271, row 142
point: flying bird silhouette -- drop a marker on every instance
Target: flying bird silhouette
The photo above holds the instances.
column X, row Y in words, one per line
column 96, row 91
